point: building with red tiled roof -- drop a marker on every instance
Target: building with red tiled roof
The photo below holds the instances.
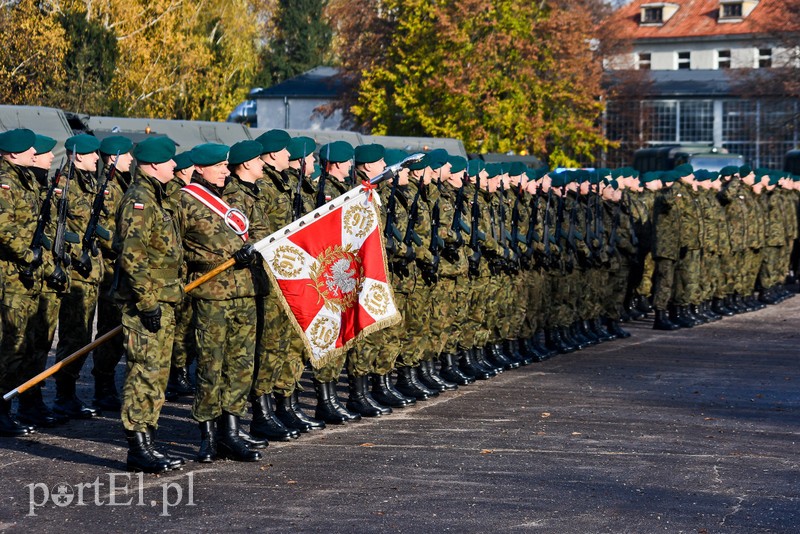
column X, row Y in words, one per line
column 697, row 53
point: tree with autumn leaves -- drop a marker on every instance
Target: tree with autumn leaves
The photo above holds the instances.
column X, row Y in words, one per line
column 501, row 75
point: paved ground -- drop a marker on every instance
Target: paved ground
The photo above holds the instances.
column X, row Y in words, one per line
column 695, row 431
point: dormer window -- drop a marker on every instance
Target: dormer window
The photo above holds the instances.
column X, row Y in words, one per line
column 730, row 11
column 653, row 15
column 656, row 13
column 735, row 10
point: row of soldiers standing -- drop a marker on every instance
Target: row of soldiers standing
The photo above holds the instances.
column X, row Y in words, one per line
column 484, row 258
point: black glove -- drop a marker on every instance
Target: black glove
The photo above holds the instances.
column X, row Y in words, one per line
column 37, row 258
column 57, row 279
column 151, row 319
column 245, row 256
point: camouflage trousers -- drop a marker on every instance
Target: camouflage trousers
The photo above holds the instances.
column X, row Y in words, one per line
column 17, row 312
column 564, row 290
column 616, row 284
column 107, row 356
column 772, row 271
column 148, row 357
column 183, row 349
column 535, row 296
column 42, row 331
column 751, row 265
column 280, row 352
column 415, row 339
column 712, row 276
column 495, row 306
column 75, row 326
column 595, row 290
column 663, row 282
column 477, row 332
column 687, row 278
column 225, row 337
column 731, row 267
column 383, row 347
column 518, row 289
column 642, row 275
column 457, row 320
column 445, row 318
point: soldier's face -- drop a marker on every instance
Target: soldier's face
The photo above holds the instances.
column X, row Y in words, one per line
column 455, row 179
column 215, row 174
column 87, row 162
column 278, row 160
column 185, row 175
column 43, row 161
column 584, row 188
column 163, row 172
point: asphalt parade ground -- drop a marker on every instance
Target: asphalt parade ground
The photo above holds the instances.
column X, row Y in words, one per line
column 689, row 431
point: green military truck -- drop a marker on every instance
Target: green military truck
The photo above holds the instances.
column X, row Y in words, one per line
column 667, row 157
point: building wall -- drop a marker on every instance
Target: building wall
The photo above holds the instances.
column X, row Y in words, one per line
column 272, row 113
column 703, row 55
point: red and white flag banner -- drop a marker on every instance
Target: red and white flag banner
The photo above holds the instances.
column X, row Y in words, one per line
column 330, row 267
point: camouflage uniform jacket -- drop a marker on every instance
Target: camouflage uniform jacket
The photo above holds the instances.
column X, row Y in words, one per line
column 148, row 246
column 755, row 218
column 686, row 201
column 732, row 199
column 19, row 210
column 250, row 198
column 115, row 189
column 208, row 242
column 447, row 211
column 82, row 190
column 666, row 226
column 278, row 194
column 774, row 227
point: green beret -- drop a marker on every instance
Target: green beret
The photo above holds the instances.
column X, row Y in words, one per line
column 612, row 183
column 16, row 141
column 421, row 164
column 116, row 144
column 457, row 164
column 762, row 171
column 475, row 166
column 209, row 154
column 300, row 147
column 602, row 172
column 729, row 170
column 244, row 151
column 437, row 157
column 494, row 169
column 336, row 152
column 82, row 144
column 559, row 179
column 651, row 176
column 183, row 161
column 684, row 170
column 713, row 176
column 701, row 175
column 669, row 177
column 274, row 140
column 393, row 156
column 369, row 153
column 744, row 170
column 516, row 168
column 582, row 175
column 43, row 144
column 154, row 150
column 616, row 173
column 774, row 177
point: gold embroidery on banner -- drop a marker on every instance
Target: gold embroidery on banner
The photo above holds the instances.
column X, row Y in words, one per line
column 287, row 261
column 338, row 277
column 323, row 332
column 358, row 220
column 377, row 301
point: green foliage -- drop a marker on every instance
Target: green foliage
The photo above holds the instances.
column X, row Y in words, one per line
column 502, row 75
column 302, row 40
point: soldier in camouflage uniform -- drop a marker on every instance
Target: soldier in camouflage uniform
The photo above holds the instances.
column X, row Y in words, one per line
column 183, row 352
column 115, row 149
column 147, row 287
column 21, row 272
column 77, row 313
column 756, row 236
column 773, row 270
column 32, row 408
column 224, row 308
column 281, row 353
column 666, row 252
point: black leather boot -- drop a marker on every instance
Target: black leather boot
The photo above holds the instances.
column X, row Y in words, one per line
column 409, row 385
column 179, row 384
column 326, row 409
column 357, row 400
column 527, row 347
column 287, row 416
column 33, row 411
column 479, row 357
column 105, row 393
column 697, row 314
column 577, row 335
column 678, row 316
column 450, row 371
column 10, row 427
column 384, row 392
column 265, row 424
column 229, row 444
column 705, row 307
column 429, row 375
column 573, row 345
column 252, row 441
column 517, row 352
column 718, row 307
column 662, row 321
column 469, row 367
column 538, row 342
column 616, row 329
column 643, row 305
column 140, row 457
column 172, row 461
column 499, row 355
column 67, row 402
column 208, row 442
column 600, row 330
column 316, row 424
column 587, row 332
